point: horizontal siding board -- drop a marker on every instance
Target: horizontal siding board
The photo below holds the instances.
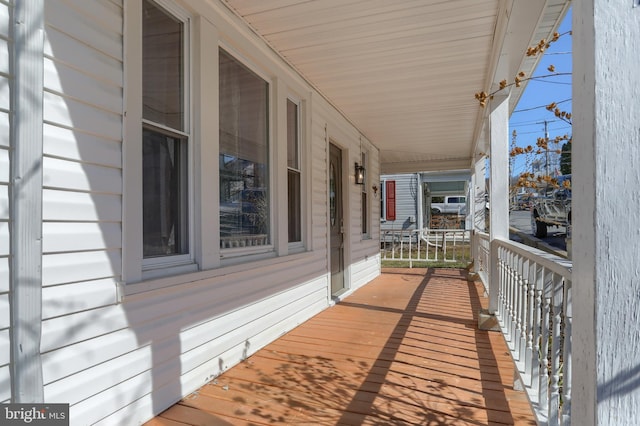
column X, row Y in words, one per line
column 80, row 56
column 76, row 267
column 5, row 383
column 4, row 57
column 253, row 318
column 76, row 206
column 88, row 29
column 64, row 174
column 107, row 13
column 5, row 348
column 66, row 330
column 91, row 381
column 252, row 335
column 5, row 320
column 70, row 298
column 74, row 145
column 145, row 326
column 91, row 410
column 4, row 165
column 4, row 202
column 166, row 386
column 61, row 78
column 86, row 354
column 4, row 274
column 73, row 114
column 4, row 129
column 80, row 386
column 4, row 238
column 65, row 237
column 212, row 297
column 4, row 93
column 4, row 20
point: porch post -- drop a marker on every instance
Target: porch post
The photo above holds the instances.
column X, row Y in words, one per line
column 606, row 228
column 499, row 187
column 478, row 192
column 26, row 206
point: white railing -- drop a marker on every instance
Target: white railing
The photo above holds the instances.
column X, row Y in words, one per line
column 535, row 316
column 482, row 257
column 426, row 245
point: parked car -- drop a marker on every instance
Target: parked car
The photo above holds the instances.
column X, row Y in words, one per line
column 449, row 204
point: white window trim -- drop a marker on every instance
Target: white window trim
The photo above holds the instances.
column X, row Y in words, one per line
column 228, row 256
column 297, row 246
column 205, row 258
column 135, row 267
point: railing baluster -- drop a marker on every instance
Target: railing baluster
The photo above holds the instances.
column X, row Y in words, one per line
column 537, row 355
column 502, row 288
column 531, row 310
column 517, row 329
column 512, row 299
column 554, row 386
column 524, row 309
column 544, row 336
column 566, row 360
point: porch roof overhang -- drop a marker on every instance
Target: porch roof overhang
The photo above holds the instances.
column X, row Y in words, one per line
column 405, row 72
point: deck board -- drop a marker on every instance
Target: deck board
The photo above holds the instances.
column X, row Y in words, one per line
column 405, row 349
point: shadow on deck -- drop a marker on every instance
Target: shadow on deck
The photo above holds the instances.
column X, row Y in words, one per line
column 405, row 349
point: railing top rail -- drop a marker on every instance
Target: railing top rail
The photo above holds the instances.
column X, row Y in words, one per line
column 482, row 234
column 549, row 261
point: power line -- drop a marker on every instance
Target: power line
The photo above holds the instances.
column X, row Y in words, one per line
column 554, row 129
column 529, row 123
column 540, row 80
column 541, row 106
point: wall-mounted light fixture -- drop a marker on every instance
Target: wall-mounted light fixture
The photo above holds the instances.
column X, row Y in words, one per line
column 375, row 190
column 359, row 174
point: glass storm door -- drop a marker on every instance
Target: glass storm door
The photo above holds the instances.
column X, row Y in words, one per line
column 335, row 220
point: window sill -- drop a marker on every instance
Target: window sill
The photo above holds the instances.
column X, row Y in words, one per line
column 167, row 284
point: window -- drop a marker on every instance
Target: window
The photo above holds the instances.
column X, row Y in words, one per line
column 244, row 155
column 364, row 198
column 165, row 141
column 293, row 172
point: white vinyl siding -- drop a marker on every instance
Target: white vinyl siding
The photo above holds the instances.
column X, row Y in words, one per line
column 121, row 353
column 82, row 171
column 406, row 202
column 5, row 167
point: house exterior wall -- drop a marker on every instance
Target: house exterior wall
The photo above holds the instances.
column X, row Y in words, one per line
column 5, row 166
column 411, row 196
column 606, row 243
column 121, row 352
column 408, row 187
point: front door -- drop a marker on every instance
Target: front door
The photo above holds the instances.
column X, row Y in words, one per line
column 335, row 220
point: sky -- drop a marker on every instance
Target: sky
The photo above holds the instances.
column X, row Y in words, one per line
column 530, row 114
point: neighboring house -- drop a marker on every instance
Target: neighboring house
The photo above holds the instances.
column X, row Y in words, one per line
column 411, row 206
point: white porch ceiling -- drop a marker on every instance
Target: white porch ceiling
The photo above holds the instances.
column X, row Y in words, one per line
column 404, row 72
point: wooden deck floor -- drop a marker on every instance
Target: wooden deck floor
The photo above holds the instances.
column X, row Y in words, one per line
column 404, row 349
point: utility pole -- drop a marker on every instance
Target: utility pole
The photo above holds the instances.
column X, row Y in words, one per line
column 546, row 151
column 546, row 161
